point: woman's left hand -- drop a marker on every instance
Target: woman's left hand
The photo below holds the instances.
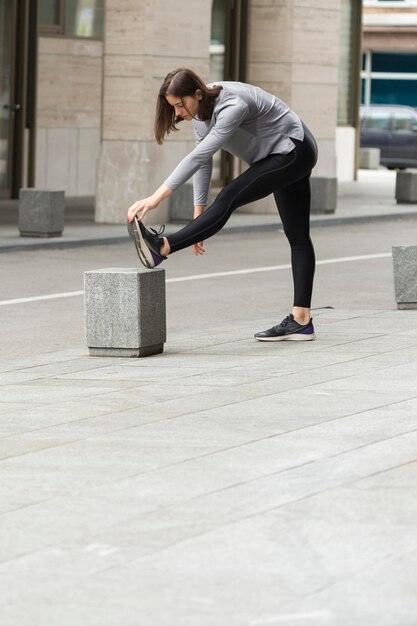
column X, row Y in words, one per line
column 142, row 207
column 198, row 248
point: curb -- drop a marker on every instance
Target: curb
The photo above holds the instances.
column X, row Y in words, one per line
column 314, row 223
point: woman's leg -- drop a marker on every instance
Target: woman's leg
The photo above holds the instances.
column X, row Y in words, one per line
column 258, row 181
column 293, row 204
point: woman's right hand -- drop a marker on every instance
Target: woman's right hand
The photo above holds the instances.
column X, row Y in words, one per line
column 142, row 207
column 147, row 204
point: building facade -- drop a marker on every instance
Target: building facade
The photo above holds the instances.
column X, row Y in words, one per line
column 389, row 68
column 79, row 78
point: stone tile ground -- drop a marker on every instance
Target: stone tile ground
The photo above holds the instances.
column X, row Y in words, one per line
column 226, row 482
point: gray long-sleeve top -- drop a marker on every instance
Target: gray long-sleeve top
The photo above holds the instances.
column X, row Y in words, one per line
column 247, row 122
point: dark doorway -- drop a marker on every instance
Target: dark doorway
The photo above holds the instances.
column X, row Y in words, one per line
column 18, row 44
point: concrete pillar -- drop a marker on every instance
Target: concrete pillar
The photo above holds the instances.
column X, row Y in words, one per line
column 143, row 42
column 293, row 52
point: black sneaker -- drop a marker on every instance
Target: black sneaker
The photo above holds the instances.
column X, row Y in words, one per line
column 148, row 244
column 288, row 330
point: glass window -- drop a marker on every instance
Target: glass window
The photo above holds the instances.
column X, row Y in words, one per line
column 217, row 61
column 49, row 12
column 84, row 18
column 377, row 120
column 6, row 43
column 388, row 91
column 404, row 122
column 217, row 39
column 73, row 18
column 394, row 62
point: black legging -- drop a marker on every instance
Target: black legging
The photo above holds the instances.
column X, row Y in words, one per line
column 287, row 176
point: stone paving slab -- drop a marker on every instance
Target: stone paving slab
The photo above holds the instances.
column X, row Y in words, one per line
column 223, row 482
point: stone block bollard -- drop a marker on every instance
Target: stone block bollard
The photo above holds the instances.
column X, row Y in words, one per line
column 369, row 158
column 323, row 194
column 406, row 187
column 41, row 212
column 181, row 206
column 125, row 312
column 405, row 276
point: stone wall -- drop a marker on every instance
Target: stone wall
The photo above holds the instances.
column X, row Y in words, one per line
column 293, row 52
column 69, row 114
column 96, row 100
column 143, row 42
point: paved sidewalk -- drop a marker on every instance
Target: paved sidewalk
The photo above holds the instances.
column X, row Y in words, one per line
column 372, row 197
column 226, row 482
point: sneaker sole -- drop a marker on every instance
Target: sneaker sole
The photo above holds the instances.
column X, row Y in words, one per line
column 294, row 337
column 142, row 249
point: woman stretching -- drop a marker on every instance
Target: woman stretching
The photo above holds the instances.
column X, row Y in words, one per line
column 261, row 130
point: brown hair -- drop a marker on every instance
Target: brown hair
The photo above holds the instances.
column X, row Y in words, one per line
column 181, row 82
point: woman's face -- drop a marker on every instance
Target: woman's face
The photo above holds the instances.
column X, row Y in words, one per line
column 185, row 107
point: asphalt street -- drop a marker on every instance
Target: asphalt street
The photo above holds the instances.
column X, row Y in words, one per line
column 354, row 271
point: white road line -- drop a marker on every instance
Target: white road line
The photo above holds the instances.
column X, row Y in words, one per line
column 183, row 279
column 291, row 617
column 52, row 296
column 273, row 268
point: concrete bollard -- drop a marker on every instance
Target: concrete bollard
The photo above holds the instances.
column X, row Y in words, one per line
column 181, row 206
column 41, row 212
column 323, row 194
column 369, row 158
column 406, row 187
column 405, row 276
column 125, row 312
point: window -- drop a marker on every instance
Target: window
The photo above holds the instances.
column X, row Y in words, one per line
column 404, row 122
column 72, row 18
column 218, row 40
column 376, row 121
column 397, row 62
column 389, row 78
column 229, row 19
column 389, row 91
column 50, row 14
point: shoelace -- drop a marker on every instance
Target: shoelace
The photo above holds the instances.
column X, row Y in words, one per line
column 159, row 232
column 285, row 321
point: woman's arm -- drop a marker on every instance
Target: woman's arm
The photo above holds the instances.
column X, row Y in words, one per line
column 228, row 119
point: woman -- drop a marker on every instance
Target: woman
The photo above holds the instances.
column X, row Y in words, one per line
column 280, row 151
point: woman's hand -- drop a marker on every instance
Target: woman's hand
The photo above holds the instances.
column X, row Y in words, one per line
column 147, row 204
column 198, row 248
column 142, row 207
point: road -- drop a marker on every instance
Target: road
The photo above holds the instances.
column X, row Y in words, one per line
column 39, row 326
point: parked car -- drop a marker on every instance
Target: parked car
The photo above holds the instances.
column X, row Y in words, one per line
column 392, row 129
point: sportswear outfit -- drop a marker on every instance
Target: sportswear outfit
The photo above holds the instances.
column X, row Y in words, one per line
column 265, row 133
